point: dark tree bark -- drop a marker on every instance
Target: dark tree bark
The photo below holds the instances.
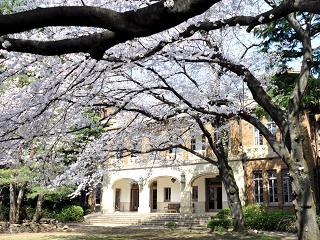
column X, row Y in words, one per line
column 124, row 26
column 233, row 196
column 225, row 171
column 19, row 199
column 221, row 151
column 1, row 204
column 15, row 202
column 38, row 214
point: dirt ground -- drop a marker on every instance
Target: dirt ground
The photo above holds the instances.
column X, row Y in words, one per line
column 85, row 232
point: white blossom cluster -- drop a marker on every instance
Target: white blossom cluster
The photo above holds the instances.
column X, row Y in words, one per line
column 168, row 3
column 143, row 103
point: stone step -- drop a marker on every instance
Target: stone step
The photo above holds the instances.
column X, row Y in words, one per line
column 196, row 220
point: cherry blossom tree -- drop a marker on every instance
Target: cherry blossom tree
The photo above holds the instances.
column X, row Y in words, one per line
column 60, row 60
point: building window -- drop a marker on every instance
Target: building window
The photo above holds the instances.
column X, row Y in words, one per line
column 258, row 187
column 198, row 143
column 137, row 147
column 119, row 155
column 167, row 194
column 98, row 193
column 287, row 187
column 193, row 144
column 272, row 186
column 258, row 137
column 272, row 128
column 195, row 193
column 204, row 143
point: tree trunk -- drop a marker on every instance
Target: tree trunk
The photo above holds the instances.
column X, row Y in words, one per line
column 38, row 213
column 305, row 209
column 306, row 217
column 221, row 151
column 19, row 199
column 1, row 205
column 232, row 190
column 13, row 204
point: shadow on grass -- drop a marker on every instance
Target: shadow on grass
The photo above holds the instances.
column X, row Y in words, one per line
column 162, row 234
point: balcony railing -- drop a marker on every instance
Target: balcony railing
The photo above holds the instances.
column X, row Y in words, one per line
column 171, row 156
column 264, row 151
column 195, row 157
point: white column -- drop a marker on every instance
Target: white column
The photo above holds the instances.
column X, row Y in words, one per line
column 144, row 200
column 107, row 204
column 185, row 205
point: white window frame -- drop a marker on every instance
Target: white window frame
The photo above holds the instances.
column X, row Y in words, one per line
column 259, row 181
column 273, row 197
column 286, row 187
column 258, row 137
column 272, row 127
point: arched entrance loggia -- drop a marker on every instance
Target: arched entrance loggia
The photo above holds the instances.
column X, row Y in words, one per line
column 207, row 194
column 163, row 191
column 126, row 195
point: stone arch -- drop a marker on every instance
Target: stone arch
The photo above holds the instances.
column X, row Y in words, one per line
column 121, row 179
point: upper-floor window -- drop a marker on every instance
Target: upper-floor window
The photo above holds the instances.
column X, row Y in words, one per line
column 136, row 147
column 272, row 186
column 258, row 137
column 118, row 155
column 272, row 128
column 286, row 187
column 193, row 144
column 258, row 187
column 175, row 150
column 203, row 142
column 198, row 143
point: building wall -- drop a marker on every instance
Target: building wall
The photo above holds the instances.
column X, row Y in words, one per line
column 265, row 165
column 259, row 157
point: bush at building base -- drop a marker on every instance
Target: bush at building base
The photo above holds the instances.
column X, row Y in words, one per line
column 256, row 217
column 70, row 213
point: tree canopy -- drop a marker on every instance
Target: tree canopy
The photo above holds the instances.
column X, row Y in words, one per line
column 150, row 61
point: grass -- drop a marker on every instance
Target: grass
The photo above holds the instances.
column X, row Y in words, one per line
column 121, row 233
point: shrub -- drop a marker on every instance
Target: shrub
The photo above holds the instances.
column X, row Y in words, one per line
column 224, row 213
column 47, row 213
column 27, row 212
column 275, row 220
column 221, row 221
column 70, row 213
column 288, row 223
column 257, row 217
column 219, row 229
column 88, row 211
column 216, row 223
column 171, row 225
column 4, row 213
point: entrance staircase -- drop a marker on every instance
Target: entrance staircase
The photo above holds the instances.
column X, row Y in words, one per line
column 150, row 220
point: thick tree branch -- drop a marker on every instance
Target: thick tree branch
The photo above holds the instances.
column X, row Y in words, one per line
column 124, row 26
column 120, row 26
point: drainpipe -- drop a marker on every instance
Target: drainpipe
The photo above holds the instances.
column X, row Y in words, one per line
column 244, row 164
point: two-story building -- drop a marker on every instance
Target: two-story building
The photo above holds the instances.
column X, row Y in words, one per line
column 195, row 184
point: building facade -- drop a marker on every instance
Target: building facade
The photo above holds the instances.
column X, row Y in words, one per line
column 195, row 185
